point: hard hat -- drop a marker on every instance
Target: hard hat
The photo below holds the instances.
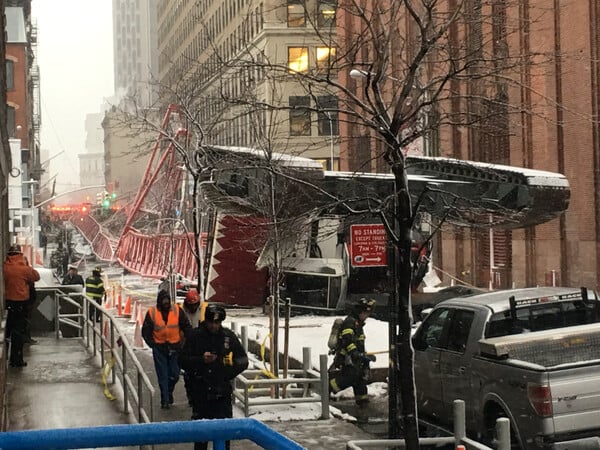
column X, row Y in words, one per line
column 192, row 297
column 365, row 304
column 215, row 313
column 14, row 249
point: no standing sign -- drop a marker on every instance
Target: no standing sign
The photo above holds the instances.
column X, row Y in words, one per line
column 368, row 245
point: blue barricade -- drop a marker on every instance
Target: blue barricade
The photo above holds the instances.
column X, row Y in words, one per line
column 217, row 431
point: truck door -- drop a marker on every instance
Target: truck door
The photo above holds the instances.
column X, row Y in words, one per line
column 455, row 361
column 427, row 343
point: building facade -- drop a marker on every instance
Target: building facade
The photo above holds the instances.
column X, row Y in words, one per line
column 202, row 49
column 135, row 50
column 544, row 114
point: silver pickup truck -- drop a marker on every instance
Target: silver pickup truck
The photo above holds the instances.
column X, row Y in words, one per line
column 532, row 355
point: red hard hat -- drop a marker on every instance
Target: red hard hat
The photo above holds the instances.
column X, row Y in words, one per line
column 192, row 297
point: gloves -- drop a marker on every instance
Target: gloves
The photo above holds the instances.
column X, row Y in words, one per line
column 366, row 358
column 228, row 359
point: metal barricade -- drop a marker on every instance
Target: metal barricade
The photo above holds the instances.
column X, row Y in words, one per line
column 106, row 339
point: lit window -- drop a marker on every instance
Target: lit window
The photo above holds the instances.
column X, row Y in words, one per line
column 296, row 14
column 298, row 59
column 326, row 17
column 299, row 116
column 325, row 57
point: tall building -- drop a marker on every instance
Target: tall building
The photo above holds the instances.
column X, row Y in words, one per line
column 135, row 50
column 202, row 46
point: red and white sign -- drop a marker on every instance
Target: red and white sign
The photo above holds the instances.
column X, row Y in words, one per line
column 368, row 245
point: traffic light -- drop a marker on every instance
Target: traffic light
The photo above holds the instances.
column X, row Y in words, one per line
column 106, row 201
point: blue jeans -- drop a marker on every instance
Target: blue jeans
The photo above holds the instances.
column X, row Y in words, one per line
column 167, row 372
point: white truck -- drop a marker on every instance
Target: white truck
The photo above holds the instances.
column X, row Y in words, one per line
column 532, row 355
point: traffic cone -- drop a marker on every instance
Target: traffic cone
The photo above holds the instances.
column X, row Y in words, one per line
column 119, row 304
column 133, row 316
column 127, row 309
column 140, row 317
column 138, row 342
column 105, row 332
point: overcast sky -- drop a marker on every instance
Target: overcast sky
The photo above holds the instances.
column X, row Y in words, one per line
column 76, row 73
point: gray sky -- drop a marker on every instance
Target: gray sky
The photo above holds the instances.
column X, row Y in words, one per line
column 76, row 74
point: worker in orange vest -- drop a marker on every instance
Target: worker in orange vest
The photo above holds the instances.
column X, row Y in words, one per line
column 164, row 329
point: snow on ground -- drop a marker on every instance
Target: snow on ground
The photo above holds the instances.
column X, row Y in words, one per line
column 305, row 331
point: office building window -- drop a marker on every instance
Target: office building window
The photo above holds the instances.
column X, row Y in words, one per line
column 326, row 14
column 10, row 74
column 298, row 59
column 296, row 14
column 325, row 58
column 328, row 115
column 299, row 116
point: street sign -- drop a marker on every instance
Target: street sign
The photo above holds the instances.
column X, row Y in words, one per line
column 368, row 245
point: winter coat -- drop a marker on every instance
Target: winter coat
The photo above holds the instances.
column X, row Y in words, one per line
column 72, row 279
column 18, row 276
column 94, row 288
column 351, row 342
column 213, row 380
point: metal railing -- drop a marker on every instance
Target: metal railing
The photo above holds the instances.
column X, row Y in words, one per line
column 253, row 387
column 459, row 437
column 217, row 431
column 106, row 339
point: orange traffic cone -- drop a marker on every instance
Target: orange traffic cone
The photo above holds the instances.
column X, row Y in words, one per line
column 127, row 309
column 138, row 342
column 140, row 317
column 133, row 315
column 105, row 332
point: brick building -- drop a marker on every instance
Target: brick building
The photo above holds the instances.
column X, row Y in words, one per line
column 542, row 115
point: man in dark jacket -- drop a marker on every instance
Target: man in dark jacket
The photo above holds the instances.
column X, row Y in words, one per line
column 164, row 328
column 213, row 356
column 18, row 277
column 351, row 363
column 72, row 277
column 94, row 289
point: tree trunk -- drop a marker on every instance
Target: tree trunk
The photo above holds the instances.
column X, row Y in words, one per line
column 401, row 351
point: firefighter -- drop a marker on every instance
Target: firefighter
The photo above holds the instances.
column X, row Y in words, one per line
column 164, row 330
column 94, row 289
column 351, row 363
column 19, row 279
column 213, row 356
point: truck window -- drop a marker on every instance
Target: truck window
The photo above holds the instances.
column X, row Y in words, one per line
column 430, row 333
column 541, row 317
column 460, row 326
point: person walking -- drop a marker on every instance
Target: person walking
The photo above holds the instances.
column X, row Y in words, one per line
column 213, row 356
column 94, row 289
column 72, row 277
column 164, row 329
column 191, row 308
column 18, row 277
column 351, row 364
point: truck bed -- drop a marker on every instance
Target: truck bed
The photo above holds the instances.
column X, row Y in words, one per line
column 548, row 349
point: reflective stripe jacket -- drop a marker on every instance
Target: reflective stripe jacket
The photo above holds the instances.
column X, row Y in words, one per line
column 94, row 288
column 352, row 338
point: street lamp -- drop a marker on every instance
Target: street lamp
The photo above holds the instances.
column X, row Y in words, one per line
column 328, row 114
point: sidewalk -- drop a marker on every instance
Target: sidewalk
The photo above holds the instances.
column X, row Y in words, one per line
column 61, row 388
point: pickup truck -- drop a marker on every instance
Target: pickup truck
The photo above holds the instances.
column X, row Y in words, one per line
column 532, row 355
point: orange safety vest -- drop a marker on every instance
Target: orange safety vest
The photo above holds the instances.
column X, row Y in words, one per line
column 168, row 332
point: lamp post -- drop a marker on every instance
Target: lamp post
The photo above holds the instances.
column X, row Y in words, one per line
column 331, row 158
